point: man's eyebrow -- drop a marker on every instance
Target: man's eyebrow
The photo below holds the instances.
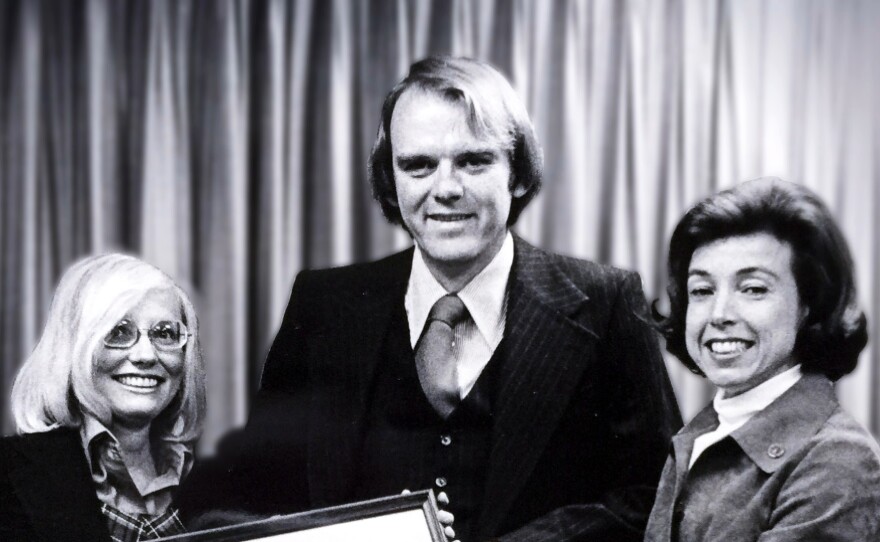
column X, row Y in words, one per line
column 477, row 153
column 480, row 147
column 409, row 158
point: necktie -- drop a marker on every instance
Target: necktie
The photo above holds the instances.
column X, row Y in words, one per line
column 434, row 356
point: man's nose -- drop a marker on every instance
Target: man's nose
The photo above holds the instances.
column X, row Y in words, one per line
column 723, row 310
column 143, row 352
column 447, row 185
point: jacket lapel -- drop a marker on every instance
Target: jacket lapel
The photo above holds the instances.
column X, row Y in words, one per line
column 343, row 367
column 546, row 355
column 55, row 487
column 788, row 423
column 682, row 447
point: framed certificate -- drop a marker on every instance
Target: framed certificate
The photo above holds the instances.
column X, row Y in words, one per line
column 401, row 518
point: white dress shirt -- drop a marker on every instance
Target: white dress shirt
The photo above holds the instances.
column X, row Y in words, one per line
column 734, row 412
column 485, row 297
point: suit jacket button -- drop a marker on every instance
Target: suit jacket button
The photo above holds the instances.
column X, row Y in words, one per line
column 441, row 482
column 775, row 451
column 445, row 440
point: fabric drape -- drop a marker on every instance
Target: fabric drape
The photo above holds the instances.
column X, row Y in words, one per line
column 225, row 141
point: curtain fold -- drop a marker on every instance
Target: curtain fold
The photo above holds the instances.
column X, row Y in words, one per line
column 226, row 142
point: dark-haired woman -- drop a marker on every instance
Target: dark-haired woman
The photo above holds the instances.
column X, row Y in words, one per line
column 763, row 304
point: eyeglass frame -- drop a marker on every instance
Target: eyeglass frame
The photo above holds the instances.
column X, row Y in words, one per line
column 186, row 335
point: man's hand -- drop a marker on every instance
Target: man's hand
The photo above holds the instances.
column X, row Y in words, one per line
column 446, row 518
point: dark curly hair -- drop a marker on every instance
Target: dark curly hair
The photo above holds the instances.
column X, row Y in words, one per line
column 835, row 329
column 493, row 110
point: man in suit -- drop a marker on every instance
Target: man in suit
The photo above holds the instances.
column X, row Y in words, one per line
column 525, row 386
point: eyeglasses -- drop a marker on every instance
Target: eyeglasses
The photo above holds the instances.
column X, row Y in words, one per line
column 167, row 335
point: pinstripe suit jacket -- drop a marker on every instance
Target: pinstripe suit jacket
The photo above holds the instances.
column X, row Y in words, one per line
column 582, row 421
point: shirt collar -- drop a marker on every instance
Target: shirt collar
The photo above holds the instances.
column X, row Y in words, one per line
column 178, row 458
column 484, row 296
column 91, row 428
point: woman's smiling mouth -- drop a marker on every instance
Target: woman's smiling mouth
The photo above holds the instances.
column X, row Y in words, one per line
column 142, row 382
column 728, row 347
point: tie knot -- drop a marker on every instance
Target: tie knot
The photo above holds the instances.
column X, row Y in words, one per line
column 449, row 309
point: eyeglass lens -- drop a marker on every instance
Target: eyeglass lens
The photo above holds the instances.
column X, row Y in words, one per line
column 165, row 335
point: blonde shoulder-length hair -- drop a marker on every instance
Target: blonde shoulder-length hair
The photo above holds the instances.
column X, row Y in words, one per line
column 55, row 386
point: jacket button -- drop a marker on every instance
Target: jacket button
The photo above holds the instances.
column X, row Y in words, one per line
column 775, row 451
column 445, row 440
column 441, row 482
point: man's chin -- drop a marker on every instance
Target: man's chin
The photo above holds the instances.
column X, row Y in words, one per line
column 450, row 252
column 451, row 258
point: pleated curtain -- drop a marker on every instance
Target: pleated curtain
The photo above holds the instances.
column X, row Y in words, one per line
column 225, row 141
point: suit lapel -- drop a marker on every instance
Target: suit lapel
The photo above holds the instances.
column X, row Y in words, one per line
column 344, row 365
column 546, row 355
column 55, row 487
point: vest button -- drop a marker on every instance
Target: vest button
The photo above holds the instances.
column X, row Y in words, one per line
column 441, row 482
column 445, row 440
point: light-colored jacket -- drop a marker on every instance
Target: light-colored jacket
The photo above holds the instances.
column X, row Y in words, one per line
column 802, row 469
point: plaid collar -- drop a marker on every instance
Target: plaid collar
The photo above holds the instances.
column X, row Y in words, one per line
column 127, row 528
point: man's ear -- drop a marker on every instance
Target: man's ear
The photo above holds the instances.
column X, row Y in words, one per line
column 391, row 199
column 518, row 189
column 804, row 314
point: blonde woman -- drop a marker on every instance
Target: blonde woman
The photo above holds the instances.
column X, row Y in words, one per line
column 108, row 407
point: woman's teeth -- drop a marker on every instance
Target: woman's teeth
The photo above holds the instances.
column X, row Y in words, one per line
column 728, row 347
column 139, row 381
